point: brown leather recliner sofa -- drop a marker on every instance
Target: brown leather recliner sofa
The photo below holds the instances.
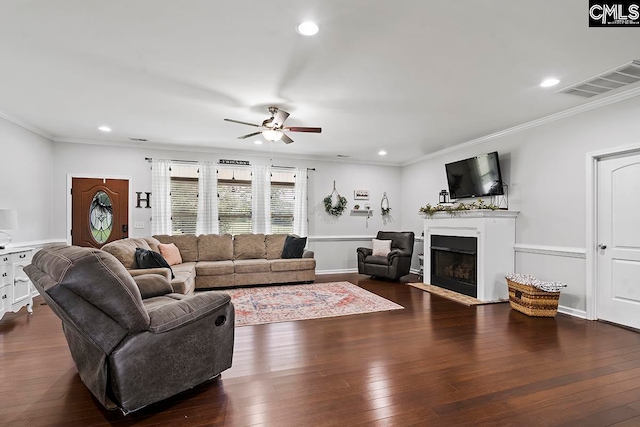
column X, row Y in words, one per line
column 212, row 261
column 133, row 340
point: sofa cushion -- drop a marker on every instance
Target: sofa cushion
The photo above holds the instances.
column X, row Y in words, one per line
column 215, row 247
column 249, row 246
column 185, row 280
column 170, row 253
column 214, row 268
column 252, row 266
column 187, row 243
column 153, row 243
column 293, row 264
column 293, row 247
column 125, row 250
column 275, row 245
column 146, row 258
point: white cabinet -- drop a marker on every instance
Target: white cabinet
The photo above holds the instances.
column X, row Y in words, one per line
column 15, row 287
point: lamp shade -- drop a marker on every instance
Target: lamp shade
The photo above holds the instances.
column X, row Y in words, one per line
column 272, row 135
column 8, row 219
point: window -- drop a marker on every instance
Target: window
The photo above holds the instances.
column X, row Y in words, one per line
column 282, row 200
column 234, row 201
column 184, row 198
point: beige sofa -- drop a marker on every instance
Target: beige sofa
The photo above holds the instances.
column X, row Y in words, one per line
column 212, row 261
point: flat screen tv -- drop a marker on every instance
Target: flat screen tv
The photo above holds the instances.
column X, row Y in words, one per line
column 475, row 177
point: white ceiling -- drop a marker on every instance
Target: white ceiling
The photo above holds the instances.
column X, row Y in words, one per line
column 408, row 76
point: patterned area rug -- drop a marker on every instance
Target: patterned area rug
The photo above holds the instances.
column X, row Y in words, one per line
column 270, row 304
column 454, row 296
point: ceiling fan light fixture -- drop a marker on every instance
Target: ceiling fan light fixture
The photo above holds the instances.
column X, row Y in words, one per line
column 307, row 28
column 272, row 135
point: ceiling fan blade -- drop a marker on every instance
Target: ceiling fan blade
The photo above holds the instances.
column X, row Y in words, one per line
column 242, row 123
column 279, row 118
column 286, row 139
column 303, row 129
column 249, row 135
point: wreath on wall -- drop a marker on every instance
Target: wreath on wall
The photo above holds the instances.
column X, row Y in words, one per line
column 339, row 207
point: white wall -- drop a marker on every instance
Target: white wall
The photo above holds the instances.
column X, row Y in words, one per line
column 26, row 167
column 334, row 251
column 545, row 167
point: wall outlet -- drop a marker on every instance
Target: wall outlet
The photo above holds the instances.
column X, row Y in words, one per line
column 138, row 224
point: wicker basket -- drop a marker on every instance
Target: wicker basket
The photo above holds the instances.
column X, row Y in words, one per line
column 532, row 301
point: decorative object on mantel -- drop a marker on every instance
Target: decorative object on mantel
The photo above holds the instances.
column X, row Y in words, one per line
column 532, row 296
column 444, row 197
column 453, row 210
column 339, row 207
column 8, row 221
column 501, row 201
column 384, row 205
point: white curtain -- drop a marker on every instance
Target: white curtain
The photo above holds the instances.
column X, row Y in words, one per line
column 300, row 220
column 161, row 196
column 207, row 221
column 261, row 199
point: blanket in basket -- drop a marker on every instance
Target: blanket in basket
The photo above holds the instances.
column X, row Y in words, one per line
column 525, row 279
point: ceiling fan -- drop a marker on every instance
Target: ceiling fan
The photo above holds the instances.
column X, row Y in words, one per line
column 273, row 127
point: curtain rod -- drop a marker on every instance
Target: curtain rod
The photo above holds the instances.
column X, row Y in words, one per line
column 148, row 159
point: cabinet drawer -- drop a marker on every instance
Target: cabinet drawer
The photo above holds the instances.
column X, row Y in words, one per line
column 5, row 275
column 22, row 257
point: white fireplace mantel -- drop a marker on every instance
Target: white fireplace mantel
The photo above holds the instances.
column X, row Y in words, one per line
column 495, row 232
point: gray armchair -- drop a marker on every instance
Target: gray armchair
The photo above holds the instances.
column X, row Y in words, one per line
column 396, row 264
column 133, row 341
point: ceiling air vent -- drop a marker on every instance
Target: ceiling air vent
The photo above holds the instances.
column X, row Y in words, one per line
column 624, row 75
column 139, row 139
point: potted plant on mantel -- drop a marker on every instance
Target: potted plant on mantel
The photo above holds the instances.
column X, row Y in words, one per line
column 453, row 210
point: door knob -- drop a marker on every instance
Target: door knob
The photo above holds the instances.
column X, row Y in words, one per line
column 602, row 246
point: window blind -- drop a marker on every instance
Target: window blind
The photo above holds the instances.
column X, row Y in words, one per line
column 282, row 200
column 184, row 205
column 234, row 206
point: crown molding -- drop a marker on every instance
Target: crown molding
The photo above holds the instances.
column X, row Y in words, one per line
column 172, row 146
column 26, row 126
column 612, row 99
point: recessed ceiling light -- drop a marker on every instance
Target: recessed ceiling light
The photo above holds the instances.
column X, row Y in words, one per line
column 257, row 142
column 307, row 28
column 382, row 153
column 549, row 82
column 105, row 128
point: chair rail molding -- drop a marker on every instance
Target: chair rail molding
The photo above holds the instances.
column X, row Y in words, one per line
column 563, row 251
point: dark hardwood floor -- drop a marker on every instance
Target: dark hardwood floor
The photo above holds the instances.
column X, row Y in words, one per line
column 435, row 363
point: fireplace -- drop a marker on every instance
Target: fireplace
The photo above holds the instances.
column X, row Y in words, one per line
column 454, row 263
column 481, row 253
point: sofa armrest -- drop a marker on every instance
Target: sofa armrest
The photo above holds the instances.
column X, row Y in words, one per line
column 395, row 254
column 308, row 254
column 186, row 310
column 153, row 285
column 158, row 270
column 364, row 252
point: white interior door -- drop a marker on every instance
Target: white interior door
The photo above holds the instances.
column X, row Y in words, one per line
column 618, row 254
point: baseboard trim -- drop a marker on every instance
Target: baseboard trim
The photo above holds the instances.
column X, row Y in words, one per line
column 572, row 312
column 339, row 238
column 562, row 251
column 338, row 271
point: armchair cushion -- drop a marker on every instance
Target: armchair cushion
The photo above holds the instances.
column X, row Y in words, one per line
column 381, row 247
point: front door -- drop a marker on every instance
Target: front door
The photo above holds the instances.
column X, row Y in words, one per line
column 618, row 253
column 99, row 211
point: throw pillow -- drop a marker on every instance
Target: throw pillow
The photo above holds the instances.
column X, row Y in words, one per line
column 170, row 253
column 381, row 247
column 150, row 259
column 293, row 247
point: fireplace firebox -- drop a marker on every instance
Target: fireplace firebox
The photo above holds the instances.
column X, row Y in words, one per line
column 454, row 263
